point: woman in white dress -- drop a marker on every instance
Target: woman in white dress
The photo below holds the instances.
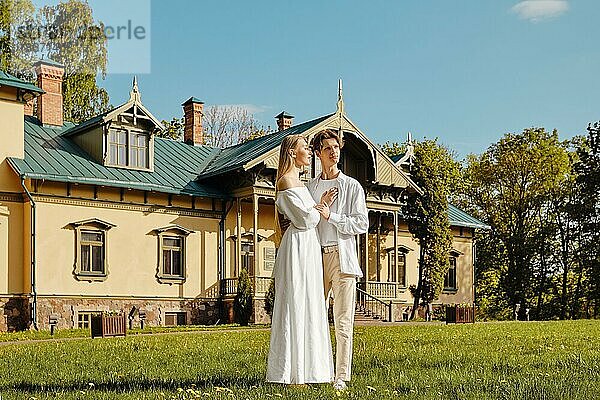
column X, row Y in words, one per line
column 300, row 348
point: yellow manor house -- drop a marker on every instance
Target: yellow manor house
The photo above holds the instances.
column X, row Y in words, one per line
column 105, row 216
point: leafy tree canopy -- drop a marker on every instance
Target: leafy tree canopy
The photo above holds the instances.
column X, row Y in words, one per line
column 66, row 33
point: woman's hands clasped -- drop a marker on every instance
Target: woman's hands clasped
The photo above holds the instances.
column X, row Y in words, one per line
column 327, row 199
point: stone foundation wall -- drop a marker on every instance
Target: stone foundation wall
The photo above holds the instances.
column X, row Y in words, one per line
column 16, row 311
column 198, row 311
column 260, row 315
column 15, row 314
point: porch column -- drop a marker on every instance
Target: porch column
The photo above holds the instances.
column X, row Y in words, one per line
column 366, row 246
column 238, row 242
column 255, row 233
column 378, row 246
column 366, row 239
column 395, row 274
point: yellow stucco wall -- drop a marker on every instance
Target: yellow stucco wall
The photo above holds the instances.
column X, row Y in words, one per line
column 12, row 248
column 4, row 215
column 11, row 139
column 463, row 244
column 132, row 252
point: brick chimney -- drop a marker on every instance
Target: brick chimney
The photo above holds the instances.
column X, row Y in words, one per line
column 50, row 104
column 192, row 113
column 284, row 120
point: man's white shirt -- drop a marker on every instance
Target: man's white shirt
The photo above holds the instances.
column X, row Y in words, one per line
column 328, row 235
column 349, row 219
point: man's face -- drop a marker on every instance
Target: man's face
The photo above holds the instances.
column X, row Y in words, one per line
column 330, row 153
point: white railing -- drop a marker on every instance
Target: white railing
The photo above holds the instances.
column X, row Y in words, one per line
column 382, row 290
column 259, row 283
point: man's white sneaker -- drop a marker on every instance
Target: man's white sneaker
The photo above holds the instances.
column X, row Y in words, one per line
column 340, row 385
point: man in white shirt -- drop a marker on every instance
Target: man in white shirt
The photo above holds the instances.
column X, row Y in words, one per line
column 343, row 216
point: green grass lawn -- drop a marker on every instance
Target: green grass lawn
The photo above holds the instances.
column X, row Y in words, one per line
column 537, row 360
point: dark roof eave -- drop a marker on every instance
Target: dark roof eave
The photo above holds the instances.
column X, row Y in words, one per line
column 120, row 184
column 220, row 172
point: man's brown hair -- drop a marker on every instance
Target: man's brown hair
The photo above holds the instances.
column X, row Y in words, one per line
column 317, row 140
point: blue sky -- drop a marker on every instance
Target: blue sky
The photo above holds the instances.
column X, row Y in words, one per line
column 465, row 71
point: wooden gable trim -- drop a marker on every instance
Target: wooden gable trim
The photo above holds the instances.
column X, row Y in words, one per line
column 379, row 155
column 272, row 156
column 121, row 110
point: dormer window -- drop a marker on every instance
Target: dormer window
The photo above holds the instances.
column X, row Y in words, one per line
column 122, row 137
column 128, row 148
column 138, row 149
column 117, row 147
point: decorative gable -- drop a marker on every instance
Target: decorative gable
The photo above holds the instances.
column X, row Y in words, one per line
column 122, row 137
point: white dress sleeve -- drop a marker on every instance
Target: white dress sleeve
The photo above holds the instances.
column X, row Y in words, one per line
column 298, row 209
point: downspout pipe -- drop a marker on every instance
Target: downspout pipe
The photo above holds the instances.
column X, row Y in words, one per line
column 33, row 247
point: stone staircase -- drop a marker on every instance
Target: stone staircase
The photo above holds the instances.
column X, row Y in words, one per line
column 361, row 318
column 371, row 310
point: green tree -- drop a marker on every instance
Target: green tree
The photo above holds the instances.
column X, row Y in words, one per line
column 437, row 173
column 587, row 213
column 173, row 129
column 394, row 148
column 18, row 43
column 511, row 186
column 79, row 44
column 242, row 304
column 66, row 33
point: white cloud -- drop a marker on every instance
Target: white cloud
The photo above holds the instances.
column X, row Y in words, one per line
column 539, row 10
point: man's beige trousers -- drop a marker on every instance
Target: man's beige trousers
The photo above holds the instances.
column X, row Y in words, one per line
column 343, row 288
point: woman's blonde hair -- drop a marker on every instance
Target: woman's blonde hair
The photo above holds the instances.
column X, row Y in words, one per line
column 286, row 163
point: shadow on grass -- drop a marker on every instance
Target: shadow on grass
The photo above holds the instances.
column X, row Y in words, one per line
column 142, row 385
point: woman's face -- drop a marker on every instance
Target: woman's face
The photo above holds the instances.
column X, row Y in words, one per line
column 303, row 154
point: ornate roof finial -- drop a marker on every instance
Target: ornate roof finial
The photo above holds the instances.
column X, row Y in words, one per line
column 340, row 102
column 135, row 95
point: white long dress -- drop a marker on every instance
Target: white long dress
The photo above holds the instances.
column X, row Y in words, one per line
column 300, row 349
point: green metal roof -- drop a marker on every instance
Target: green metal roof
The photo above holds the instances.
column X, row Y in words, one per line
column 232, row 158
column 7, row 79
column 52, row 156
column 86, row 124
column 458, row 217
column 396, row 157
